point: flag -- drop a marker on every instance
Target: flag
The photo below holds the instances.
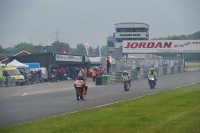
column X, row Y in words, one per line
column 99, row 49
column 63, row 50
column 87, row 48
column 69, row 51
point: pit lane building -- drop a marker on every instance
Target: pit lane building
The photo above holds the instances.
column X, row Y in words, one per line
column 127, row 31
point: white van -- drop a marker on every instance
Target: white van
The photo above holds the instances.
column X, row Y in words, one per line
column 44, row 72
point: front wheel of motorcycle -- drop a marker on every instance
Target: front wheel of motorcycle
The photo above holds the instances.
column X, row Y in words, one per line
column 78, row 97
column 151, row 86
column 78, row 94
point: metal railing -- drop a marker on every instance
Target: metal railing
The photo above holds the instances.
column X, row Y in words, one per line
column 141, row 74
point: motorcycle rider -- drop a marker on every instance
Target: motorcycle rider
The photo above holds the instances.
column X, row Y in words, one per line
column 129, row 78
column 80, row 77
column 152, row 73
column 54, row 75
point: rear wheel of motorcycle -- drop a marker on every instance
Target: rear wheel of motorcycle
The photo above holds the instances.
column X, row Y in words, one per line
column 78, row 93
column 78, row 97
column 151, row 86
column 125, row 86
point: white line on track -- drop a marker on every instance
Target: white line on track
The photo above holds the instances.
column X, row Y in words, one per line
column 24, row 94
column 50, row 91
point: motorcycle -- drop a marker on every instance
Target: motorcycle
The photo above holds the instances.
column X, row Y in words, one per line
column 53, row 78
column 79, row 84
column 65, row 76
column 152, row 82
column 125, row 81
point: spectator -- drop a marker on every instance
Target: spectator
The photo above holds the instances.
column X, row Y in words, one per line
column 35, row 76
column 99, row 71
column 77, row 72
column 6, row 75
column 21, row 72
column 108, row 65
column 25, row 76
column 85, row 73
column 71, row 72
column 62, row 71
column 93, row 75
column 39, row 75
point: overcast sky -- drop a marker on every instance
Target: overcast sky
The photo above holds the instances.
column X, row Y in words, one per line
column 91, row 21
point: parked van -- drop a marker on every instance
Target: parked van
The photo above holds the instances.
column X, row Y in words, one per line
column 43, row 70
column 35, row 67
column 13, row 73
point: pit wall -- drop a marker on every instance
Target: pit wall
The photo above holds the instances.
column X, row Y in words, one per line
column 136, row 75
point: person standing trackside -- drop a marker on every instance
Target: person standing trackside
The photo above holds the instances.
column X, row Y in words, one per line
column 99, row 71
column 108, row 65
column 93, row 75
column 85, row 73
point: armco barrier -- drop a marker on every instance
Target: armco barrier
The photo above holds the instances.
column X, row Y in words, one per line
column 134, row 75
column 157, row 70
column 164, row 70
column 141, row 74
column 116, row 77
column 172, row 70
column 145, row 73
column 168, row 70
column 175, row 69
column 119, row 77
column 160, row 71
column 182, row 69
column 179, row 69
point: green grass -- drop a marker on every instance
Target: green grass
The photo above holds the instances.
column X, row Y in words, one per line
column 193, row 65
column 174, row 111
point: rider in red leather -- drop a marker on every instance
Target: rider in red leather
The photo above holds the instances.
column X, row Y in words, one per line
column 80, row 77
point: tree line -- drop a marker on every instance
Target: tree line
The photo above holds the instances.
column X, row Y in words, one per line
column 187, row 56
column 56, row 46
column 94, row 51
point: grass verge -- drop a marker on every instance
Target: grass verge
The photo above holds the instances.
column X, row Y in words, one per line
column 193, row 65
column 174, row 111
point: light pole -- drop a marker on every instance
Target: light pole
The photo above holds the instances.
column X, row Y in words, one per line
column 41, row 47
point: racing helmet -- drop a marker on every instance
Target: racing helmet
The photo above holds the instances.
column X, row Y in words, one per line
column 80, row 75
column 152, row 69
column 125, row 72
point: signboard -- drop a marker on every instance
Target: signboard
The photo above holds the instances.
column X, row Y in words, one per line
column 162, row 46
column 111, row 49
column 72, row 58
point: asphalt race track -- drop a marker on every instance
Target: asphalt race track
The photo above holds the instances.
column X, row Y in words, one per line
column 30, row 102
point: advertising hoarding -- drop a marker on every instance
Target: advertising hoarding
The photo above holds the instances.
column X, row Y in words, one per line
column 162, row 46
column 60, row 57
